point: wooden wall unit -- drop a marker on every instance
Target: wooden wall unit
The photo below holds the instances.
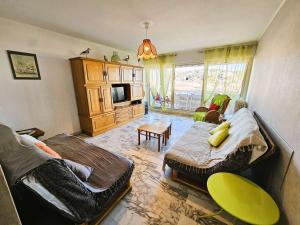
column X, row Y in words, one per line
column 93, row 81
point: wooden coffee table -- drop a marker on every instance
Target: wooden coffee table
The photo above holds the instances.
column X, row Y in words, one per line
column 156, row 130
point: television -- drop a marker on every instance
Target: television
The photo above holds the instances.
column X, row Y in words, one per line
column 118, row 94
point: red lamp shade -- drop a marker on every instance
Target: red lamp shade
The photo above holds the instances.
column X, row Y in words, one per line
column 146, row 50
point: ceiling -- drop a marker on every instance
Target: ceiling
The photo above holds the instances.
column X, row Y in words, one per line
column 177, row 24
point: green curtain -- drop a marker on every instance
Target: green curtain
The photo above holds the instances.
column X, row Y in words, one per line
column 227, row 71
column 159, row 77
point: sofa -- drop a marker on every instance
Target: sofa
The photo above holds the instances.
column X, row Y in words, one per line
column 194, row 159
column 79, row 187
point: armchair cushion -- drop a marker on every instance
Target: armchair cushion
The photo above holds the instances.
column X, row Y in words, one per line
column 199, row 116
column 214, row 106
column 219, row 99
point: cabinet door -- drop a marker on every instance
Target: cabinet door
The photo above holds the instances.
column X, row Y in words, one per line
column 138, row 110
column 107, row 102
column 123, row 115
column 113, row 73
column 137, row 92
column 127, row 74
column 103, row 122
column 94, row 97
column 138, row 75
column 93, row 72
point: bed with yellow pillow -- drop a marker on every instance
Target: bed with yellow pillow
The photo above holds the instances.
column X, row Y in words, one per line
column 208, row 148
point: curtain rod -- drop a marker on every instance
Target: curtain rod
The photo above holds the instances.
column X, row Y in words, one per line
column 232, row 45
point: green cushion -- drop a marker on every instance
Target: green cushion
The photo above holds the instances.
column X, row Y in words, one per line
column 199, row 116
column 219, row 100
column 223, row 125
column 217, row 138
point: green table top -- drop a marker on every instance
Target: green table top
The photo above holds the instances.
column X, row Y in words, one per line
column 243, row 199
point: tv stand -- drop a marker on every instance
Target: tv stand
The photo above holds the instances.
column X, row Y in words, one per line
column 93, row 80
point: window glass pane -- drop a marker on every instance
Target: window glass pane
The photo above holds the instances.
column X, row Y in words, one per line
column 188, row 87
column 225, row 79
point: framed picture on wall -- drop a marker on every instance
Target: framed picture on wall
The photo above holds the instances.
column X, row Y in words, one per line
column 24, row 65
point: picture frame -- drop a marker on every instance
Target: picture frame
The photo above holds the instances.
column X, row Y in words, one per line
column 24, row 65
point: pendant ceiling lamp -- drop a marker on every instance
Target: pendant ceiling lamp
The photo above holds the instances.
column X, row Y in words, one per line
column 146, row 50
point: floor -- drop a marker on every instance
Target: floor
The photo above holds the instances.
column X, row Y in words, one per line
column 155, row 199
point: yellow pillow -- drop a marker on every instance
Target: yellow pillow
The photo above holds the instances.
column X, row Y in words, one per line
column 223, row 125
column 217, row 138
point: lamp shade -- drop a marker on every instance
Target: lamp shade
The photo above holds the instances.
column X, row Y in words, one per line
column 146, row 50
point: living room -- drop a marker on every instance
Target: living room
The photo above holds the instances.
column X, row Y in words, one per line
column 158, row 104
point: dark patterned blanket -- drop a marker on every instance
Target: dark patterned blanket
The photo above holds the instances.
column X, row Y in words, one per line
column 83, row 201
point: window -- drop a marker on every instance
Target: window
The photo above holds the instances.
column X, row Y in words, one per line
column 188, row 85
column 224, row 79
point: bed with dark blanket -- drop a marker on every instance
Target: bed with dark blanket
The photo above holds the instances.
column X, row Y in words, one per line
column 68, row 199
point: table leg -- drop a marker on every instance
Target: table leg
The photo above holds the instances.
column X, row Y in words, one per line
column 170, row 129
column 139, row 137
column 146, row 135
column 158, row 138
column 166, row 137
column 149, row 135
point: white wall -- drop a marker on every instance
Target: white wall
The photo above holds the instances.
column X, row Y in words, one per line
column 189, row 57
column 49, row 103
column 274, row 93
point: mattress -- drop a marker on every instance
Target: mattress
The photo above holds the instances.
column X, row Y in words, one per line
column 110, row 169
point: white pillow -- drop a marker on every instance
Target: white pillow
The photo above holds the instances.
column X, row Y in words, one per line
column 28, row 140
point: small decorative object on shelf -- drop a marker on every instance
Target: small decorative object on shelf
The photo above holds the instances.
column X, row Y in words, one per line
column 126, row 59
column 86, row 52
column 34, row 132
column 115, row 57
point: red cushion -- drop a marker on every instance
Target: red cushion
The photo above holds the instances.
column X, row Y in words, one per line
column 213, row 107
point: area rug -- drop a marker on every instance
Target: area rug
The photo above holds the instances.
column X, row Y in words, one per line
column 155, row 199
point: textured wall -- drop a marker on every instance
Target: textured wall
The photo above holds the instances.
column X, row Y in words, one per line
column 275, row 94
column 48, row 103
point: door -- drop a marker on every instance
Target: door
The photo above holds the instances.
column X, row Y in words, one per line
column 137, row 92
column 138, row 75
column 94, row 97
column 113, row 73
column 188, row 87
column 127, row 74
column 106, row 98
column 93, row 72
column 138, row 110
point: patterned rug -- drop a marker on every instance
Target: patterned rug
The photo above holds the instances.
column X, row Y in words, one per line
column 155, row 199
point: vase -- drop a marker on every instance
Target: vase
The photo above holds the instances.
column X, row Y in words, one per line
column 115, row 57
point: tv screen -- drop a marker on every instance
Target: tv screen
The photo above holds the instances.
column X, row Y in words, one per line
column 118, row 94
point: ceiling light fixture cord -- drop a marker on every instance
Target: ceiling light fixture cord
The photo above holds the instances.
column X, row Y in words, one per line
column 146, row 28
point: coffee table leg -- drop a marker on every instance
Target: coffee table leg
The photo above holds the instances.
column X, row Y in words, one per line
column 139, row 137
column 146, row 135
column 158, row 142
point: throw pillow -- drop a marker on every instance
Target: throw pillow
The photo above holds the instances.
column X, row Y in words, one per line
column 83, row 172
column 223, row 125
column 48, row 150
column 28, row 140
column 218, row 138
column 213, row 107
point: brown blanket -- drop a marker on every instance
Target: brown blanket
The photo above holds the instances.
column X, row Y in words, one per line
column 108, row 167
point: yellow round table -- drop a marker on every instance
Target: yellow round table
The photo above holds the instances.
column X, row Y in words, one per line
column 243, row 199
